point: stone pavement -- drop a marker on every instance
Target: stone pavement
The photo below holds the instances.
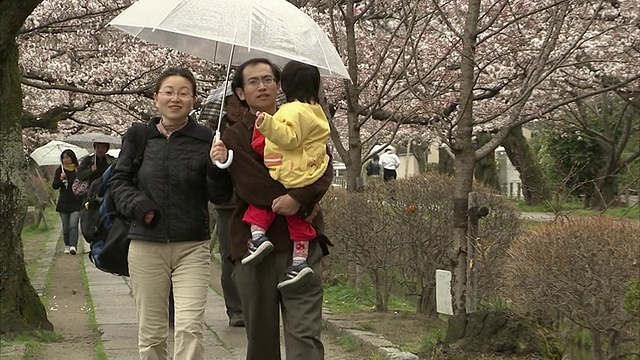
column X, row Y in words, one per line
column 116, row 318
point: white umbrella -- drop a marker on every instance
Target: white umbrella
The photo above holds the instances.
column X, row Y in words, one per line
column 49, row 154
column 232, row 32
column 86, row 140
column 234, row 29
column 114, row 152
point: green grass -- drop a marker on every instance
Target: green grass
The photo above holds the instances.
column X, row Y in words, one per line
column 347, row 343
column 35, row 240
column 32, row 343
column 343, row 297
column 431, row 340
column 577, row 208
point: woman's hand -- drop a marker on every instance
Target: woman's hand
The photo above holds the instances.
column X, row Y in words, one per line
column 218, row 152
column 63, row 175
column 148, row 218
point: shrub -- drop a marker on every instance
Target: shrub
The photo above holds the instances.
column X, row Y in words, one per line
column 398, row 233
column 580, row 269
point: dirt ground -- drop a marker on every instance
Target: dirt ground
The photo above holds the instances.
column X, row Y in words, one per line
column 67, row 309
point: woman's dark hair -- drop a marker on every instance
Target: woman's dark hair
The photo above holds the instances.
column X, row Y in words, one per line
column 72, row 155
column 238, row 77
column 174, row 71
column 300, row 82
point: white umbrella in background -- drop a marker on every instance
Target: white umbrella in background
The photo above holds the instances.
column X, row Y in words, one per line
column 49, row 154
column 114, row 152
column 378, row 148
column 86, row 140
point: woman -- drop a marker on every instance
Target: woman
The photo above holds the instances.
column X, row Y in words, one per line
column 170, row 222
column 68, row 203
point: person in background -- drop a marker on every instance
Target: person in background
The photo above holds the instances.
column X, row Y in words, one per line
column 389, row 162
column 94, row 165
column 69, row 204
column 373, row 169
column 256, row 83
column 170, row 220
column 235, row 111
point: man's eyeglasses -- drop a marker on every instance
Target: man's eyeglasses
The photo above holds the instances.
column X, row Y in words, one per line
column 182, row 95
column 255, row 82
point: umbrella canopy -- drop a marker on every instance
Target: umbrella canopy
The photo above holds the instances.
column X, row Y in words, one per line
column 86, row 140
column 246, row 29
column 114, row 152
column 49, row 154
column 212, row 106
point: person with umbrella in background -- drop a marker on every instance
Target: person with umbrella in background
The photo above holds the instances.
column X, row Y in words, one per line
column 69, row 204
column 94, row 165
column 256, row 82
column 235, row 111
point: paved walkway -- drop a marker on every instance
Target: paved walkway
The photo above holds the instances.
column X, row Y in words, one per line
column 116, row 318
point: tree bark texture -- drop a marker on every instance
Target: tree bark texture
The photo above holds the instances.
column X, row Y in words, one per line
column 534, row 187
column 486, row 169
column 20, row 308
column 464, row 162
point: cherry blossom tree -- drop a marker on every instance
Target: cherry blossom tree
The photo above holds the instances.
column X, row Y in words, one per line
column 63, row 70
column 20, row 308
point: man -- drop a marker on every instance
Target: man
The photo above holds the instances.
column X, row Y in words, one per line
column 93, row 166
column 235, row 111
column 256, row 82
column 389, row 162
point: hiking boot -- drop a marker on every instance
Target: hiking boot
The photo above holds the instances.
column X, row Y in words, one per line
column 236, row 320
column 258, row 249
column 72, row 250
column 66, row 250
column 295, row 278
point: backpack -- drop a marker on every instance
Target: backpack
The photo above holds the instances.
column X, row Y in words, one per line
column 102, row 226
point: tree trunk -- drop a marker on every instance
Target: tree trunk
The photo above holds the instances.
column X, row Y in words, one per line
column 534, row 187
column 20, row 308
column 596, row 345
column 445, row 162
column 487, row 169
column 464, row 162
column 427, row 302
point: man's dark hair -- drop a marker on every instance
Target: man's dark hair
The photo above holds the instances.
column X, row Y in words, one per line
column 95, row 144
column 174, row 71
column 300, row 82
column 238, row 77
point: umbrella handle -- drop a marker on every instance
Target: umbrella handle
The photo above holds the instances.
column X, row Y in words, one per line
column 226, row 164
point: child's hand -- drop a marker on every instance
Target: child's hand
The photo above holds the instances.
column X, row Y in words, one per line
column 259, row 117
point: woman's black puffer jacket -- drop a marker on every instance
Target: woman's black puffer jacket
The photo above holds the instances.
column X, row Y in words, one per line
column 175, row 179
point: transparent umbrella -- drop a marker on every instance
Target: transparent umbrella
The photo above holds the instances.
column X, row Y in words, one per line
column 232, row 32
column 86, row 140
column 49, row 154
column 234, row 29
